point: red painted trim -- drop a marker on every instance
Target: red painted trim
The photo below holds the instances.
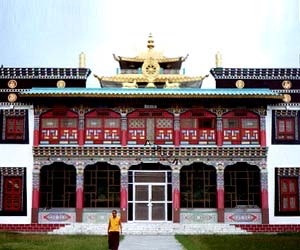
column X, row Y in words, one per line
column 35, row 198
column 36, row 137
column 269, row 228
column 220, row 198
column 123, row 198
column 177, row 138
column 219, row 137
column 124, row 138
column 263, row 138
column 34, row 227
column 176, row 199
column 79, row 198
column 81, row 137
column 264, row 199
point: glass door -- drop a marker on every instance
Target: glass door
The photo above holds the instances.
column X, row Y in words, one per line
column 150, row 202
column 150, row 196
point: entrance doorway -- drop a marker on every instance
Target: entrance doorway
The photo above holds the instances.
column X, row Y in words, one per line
column 150, row 195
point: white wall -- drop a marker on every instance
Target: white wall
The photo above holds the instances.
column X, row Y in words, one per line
column 279, row 156
column 20, row 155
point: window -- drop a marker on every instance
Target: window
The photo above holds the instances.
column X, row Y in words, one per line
column 198, row 186
column 58, row 186
column 289, row 194
column 13, row 191
column 241, row 186
column 59, row 127
column 285, row 129
column 287, row 191
column 101, row 186
column 151, row 125
column 14, row 126
column 103, row 127
column 240, row 128
column 198, row 127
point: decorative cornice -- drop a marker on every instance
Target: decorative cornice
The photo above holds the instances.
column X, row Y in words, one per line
column 44, row 73
column 256, row 73
column 159, row 78
column 159, row 59
column 153, row 154
column 153, row 93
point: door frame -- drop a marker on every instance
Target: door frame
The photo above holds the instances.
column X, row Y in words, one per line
column 166, row 201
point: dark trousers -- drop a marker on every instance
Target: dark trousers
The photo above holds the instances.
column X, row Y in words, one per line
column 113, row 240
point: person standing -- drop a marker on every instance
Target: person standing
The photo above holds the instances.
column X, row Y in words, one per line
column 113, row 230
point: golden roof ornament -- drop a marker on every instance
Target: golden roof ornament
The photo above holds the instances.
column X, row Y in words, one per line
column 286, row 84
column 150, row 69
column 12, row 84
column 218, row 60
column 240, row 84
column 150, row 42
column 82, row 60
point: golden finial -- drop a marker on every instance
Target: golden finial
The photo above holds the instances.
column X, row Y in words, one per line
column 82, row 60
column 218, row 60
column 150, row 42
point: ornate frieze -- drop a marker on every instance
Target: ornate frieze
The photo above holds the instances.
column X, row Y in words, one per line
column 175, row 179
column 263, row 180
column 12, row 171
column 220, row 175
column 141, row 152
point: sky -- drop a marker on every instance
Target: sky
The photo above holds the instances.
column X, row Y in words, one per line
column 52, row 33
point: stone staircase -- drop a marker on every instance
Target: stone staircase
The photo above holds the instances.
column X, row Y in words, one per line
column 151, row 228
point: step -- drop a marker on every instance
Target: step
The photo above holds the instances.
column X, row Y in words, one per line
column 151, row 229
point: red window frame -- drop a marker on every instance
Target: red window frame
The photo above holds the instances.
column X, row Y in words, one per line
column 12, row 194
column 101, row 133
column 289, row 194
column 284, row 131
column 138, row 134
column 15, row 128
column 61, row 134
column 234, row 131
column 199, row 133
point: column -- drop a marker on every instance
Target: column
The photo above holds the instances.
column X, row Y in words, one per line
column 124, row 194
column 124, row 128
column 176, row 194
column 35, row 194
column 177, row 129
column 36, row 131
column 263, row 138
column 79, row 193
column 81, row 135
column 264, row 193
column 220, row 192
column 219, row 131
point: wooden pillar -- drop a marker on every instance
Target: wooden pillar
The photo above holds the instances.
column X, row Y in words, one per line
column 35, row 194
column 220, row 192
column 219, row 131
column 81, row 134
column 124, row 194
column 177, row 129
column 264, row 194
column 79, row 193
column 36, row 130
column 263, row 138
column 176, row 194
column 124, row 129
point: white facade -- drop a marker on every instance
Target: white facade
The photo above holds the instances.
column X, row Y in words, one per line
column 20, row 155
column 279, row 156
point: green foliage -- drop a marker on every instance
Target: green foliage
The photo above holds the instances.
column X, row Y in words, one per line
column 240, row 242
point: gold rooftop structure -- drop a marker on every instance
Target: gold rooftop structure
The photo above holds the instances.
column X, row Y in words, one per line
column 150, row 69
